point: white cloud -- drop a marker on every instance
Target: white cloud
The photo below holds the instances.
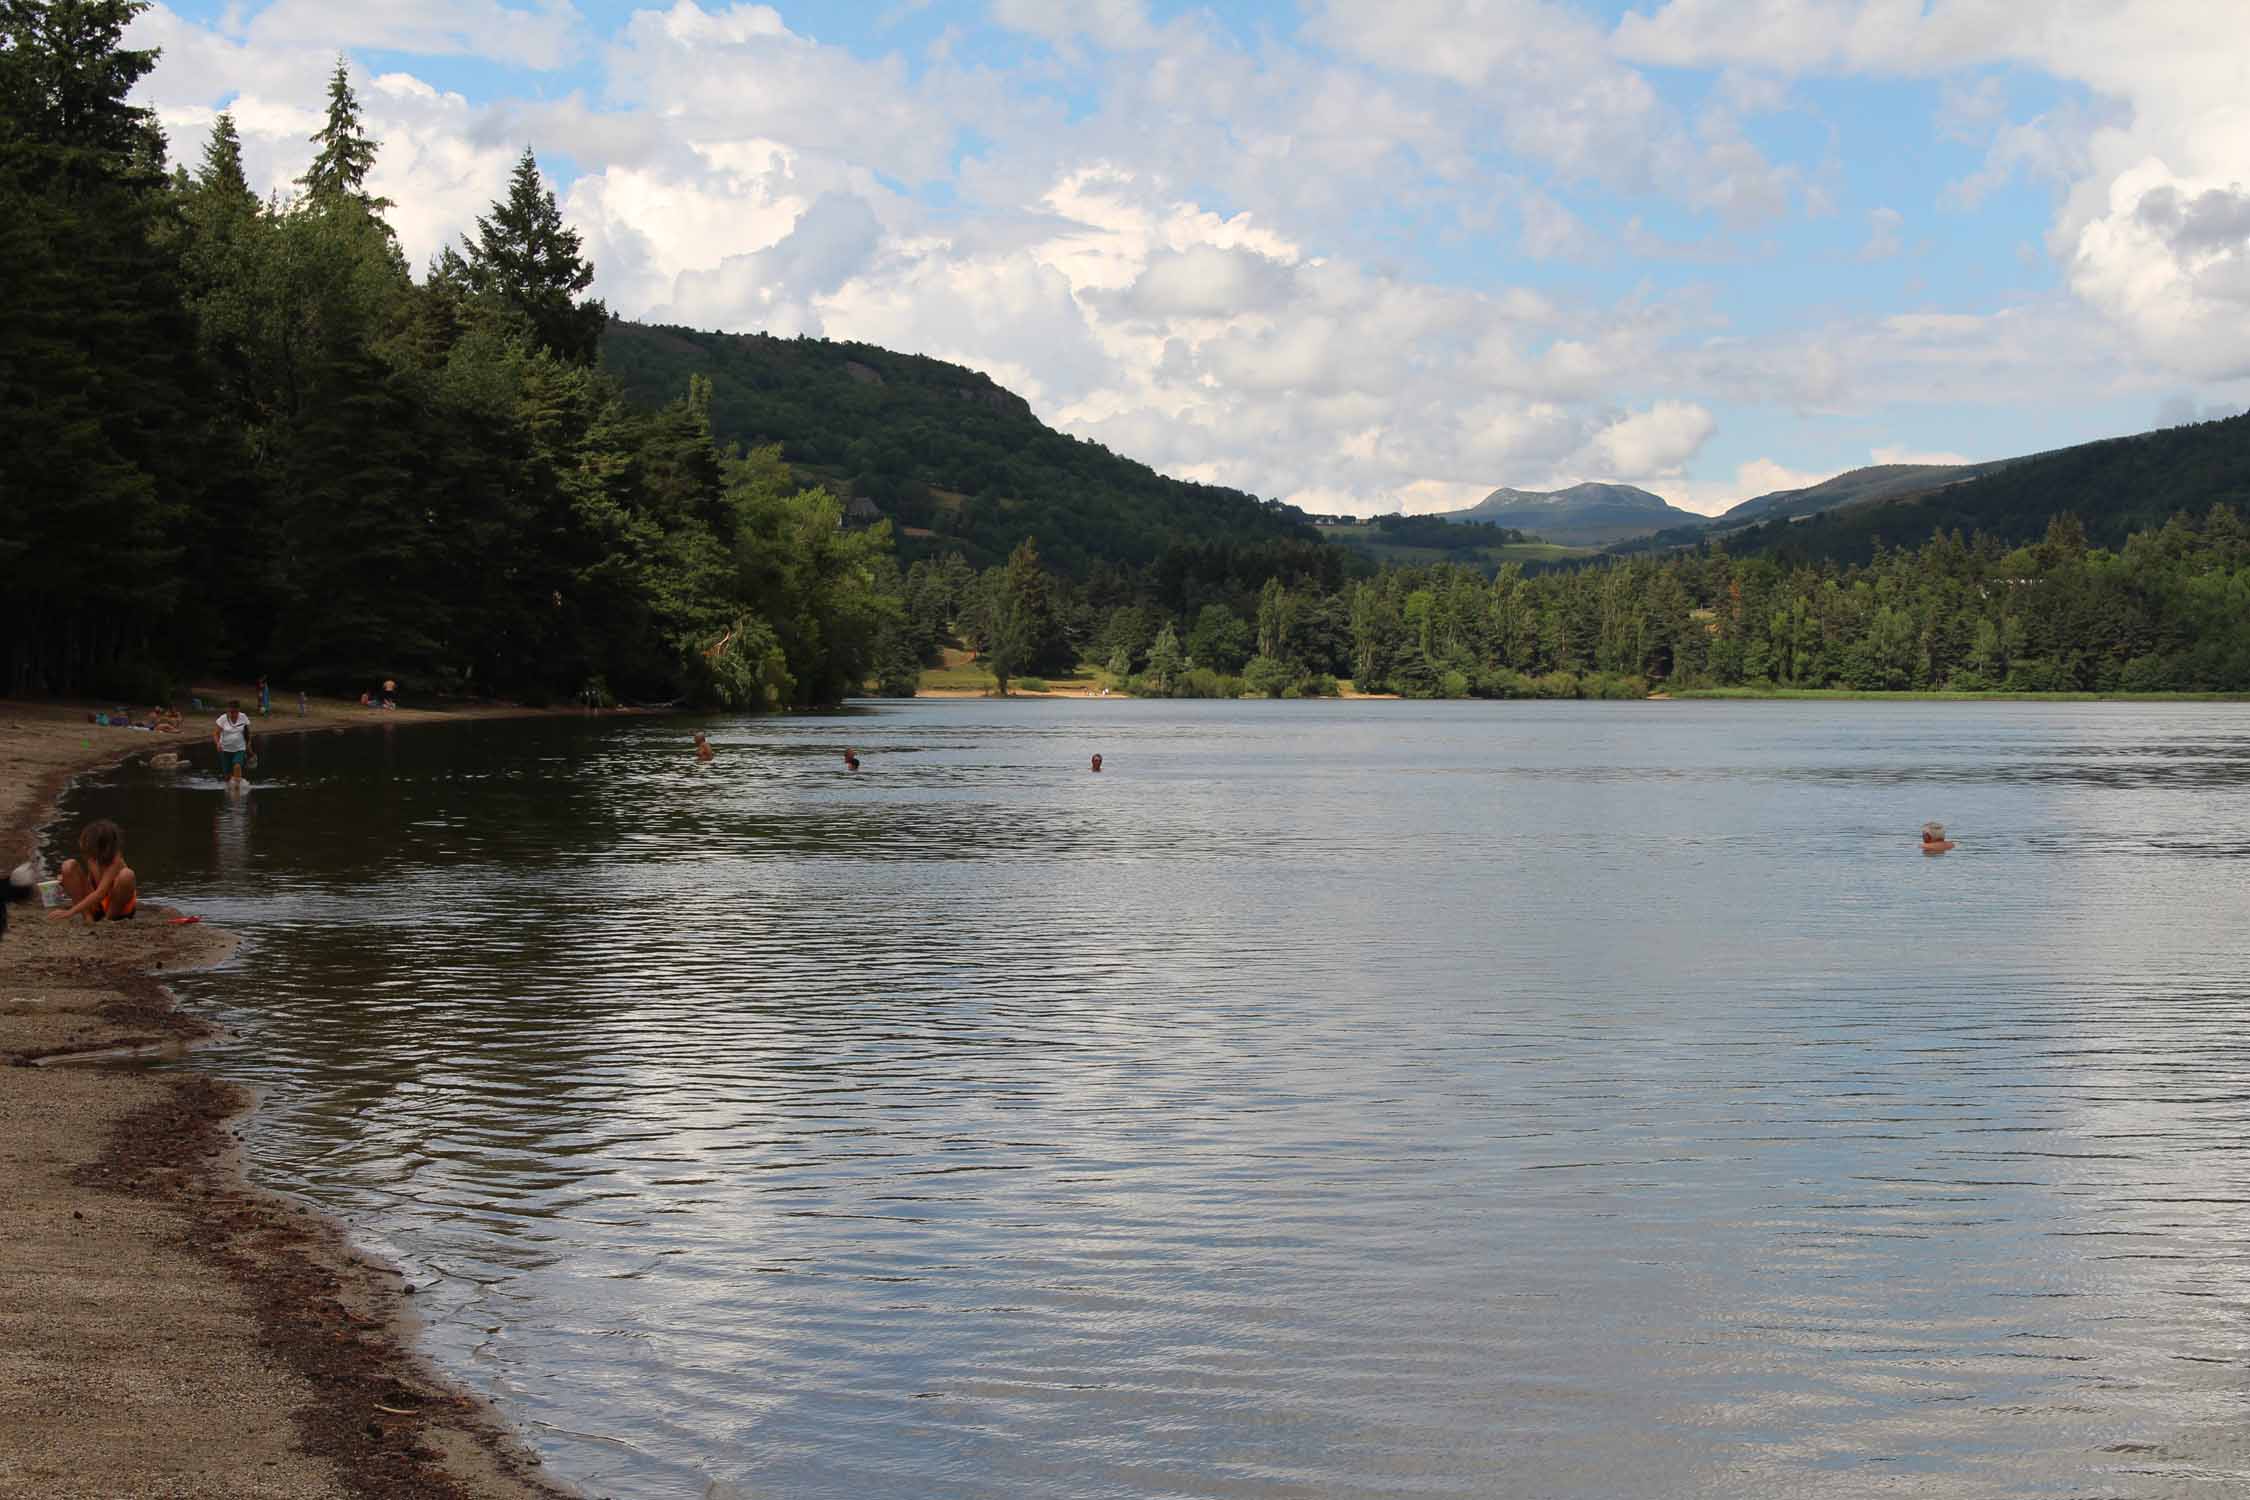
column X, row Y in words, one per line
column 1758, row 476
column 1544, row 79
column 777, row 288
column 2170, row 262
column 1653, row 443
column 1206, row 281
column 2171, row 80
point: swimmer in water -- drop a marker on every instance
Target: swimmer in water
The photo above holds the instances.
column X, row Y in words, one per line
column 851, row 761
column 1934, row 840
column 1097, row 763
column 702, row 746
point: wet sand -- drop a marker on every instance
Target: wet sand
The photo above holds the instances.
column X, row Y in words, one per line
column 168, row 1330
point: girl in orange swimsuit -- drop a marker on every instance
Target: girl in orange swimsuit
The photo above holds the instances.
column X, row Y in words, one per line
column 99, row 883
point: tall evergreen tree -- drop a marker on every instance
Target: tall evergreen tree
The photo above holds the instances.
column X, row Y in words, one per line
column 221, row 171
column 338, row 173
column 95, row 350
column 65, row 78
column 525, row 258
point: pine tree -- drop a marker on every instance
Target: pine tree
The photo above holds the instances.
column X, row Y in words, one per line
column 95, row 350
column 221, row 173
column 338, row 173
column 65, row 79
column 527, row 259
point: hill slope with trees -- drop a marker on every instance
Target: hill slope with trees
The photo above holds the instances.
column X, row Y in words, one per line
column 241, row 437
column 2114, row 488
column 958, row 462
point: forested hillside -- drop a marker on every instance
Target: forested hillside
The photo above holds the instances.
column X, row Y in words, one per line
column 239, row 436
column 2115, row 488
column 939, row 449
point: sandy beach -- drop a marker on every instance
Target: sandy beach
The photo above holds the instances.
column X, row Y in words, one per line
column 170, row 1330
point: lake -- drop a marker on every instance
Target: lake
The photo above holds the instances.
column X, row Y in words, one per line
column 1336, row 1100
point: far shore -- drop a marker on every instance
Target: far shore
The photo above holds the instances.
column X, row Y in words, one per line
column 170, row 1329
column 1659, row 695
column 1856, row 695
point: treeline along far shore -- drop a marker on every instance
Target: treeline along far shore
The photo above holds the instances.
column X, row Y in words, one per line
column 243, row 435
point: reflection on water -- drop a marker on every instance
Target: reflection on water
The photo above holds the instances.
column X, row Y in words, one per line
column 1571, row 1100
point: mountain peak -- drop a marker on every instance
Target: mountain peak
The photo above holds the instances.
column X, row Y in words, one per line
column 1587, row 514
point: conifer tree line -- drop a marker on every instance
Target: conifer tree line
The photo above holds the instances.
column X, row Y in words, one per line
column 2169, row 611
column 240, row 435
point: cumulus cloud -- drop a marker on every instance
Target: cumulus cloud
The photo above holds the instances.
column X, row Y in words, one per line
column 1206, row 281
column 2168, row 125
column 2170, row 262
column 1544, row 79
column 1652, row 443
column 776, row 289
column 1755, row 477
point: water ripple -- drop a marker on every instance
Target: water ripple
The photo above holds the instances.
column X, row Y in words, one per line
column 1337, row 1101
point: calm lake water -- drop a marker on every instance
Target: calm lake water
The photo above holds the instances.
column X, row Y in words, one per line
column 1326, row 1100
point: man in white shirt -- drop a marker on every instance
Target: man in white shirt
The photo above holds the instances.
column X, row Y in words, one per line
column 232, row 735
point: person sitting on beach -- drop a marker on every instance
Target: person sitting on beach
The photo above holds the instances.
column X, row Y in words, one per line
column 1934, row 840
column 851, row 761
column 231, row 733
column 702, row 746
column 99, row 884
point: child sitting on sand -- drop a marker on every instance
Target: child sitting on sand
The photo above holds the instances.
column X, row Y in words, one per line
column 99, row 885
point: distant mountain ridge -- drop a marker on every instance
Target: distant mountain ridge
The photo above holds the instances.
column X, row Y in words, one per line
column 2115, row 486
column 1874, row 482
column 1589, row 514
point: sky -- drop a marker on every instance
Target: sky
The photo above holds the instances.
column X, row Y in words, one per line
column 1360, row 255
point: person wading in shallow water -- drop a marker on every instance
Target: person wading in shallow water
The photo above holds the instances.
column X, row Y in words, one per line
column 1934, row 840
column 851, row 761
column 702, row 746
column 1097, row 763
column 231, row 733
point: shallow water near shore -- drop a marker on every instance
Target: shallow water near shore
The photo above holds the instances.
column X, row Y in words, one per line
column 1325, row 1100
